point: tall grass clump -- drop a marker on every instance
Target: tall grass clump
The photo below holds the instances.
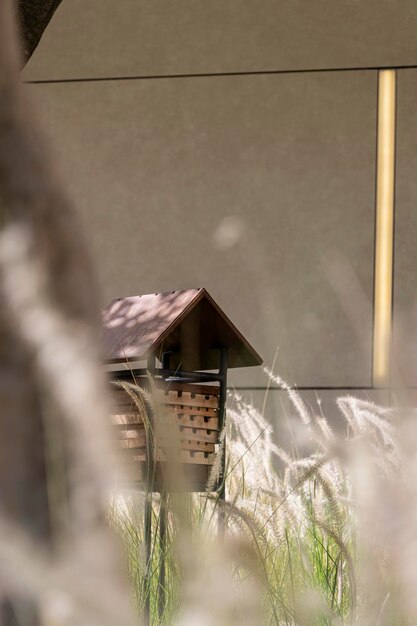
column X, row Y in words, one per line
column 319, row 532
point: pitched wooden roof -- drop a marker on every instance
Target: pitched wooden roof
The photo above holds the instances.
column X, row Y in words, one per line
column 188, row 322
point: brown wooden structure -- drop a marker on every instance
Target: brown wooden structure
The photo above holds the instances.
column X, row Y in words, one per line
column 193, row 411
column 179, row 335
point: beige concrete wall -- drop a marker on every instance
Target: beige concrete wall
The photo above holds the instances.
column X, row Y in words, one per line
column 96, row 38
column 260, row 188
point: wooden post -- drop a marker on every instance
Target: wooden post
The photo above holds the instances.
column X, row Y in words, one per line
column 148, row 556
column 149, row 478
column 162, row 560
column 222, row 416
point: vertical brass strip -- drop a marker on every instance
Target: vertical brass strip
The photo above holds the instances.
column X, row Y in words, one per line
column 384, row 233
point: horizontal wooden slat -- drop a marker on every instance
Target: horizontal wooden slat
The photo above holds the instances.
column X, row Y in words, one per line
column 121, row 393
column 137, row 440
column 126, row 419
column 169, row 410
column 130, row 432
column 197, row 404
column 206, row 390
column 159, row 385
column 136, row 451
column 192, row 410
column 186, row 399
column 183, row 419
column 120, row 396
column 122, row 399
column 185, row 433
column 183, row 444
column 124, row 409
column 195, row 434
column 198, row 421
column 185, row 456
column 204, row 446
column 198, row 458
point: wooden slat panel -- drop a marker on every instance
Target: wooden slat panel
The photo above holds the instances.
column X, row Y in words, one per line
column 195, row 414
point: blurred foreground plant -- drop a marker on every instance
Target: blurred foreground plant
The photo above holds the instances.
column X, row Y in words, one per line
column 59, row 563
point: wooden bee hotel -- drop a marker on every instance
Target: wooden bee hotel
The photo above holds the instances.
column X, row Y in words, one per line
column 178, row 345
